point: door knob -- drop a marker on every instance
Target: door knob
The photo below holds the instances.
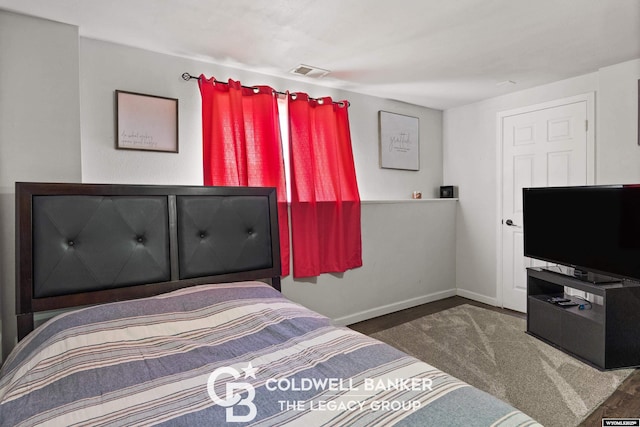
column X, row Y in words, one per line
column 510, row 223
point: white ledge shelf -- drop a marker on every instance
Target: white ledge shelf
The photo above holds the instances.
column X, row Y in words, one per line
column 373, row 202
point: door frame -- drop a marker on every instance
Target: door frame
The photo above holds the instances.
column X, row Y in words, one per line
column 591, row 172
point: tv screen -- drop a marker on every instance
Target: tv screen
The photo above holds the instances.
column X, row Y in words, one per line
column 593, row 229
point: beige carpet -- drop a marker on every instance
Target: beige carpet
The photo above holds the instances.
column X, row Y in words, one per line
column 491, row 351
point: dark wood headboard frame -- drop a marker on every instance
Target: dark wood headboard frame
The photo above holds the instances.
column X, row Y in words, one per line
column 27, row 304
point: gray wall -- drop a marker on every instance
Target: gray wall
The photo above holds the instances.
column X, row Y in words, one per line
column 39, row 125
column 409, row 259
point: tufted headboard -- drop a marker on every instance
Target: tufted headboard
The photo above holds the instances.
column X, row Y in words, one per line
column 80, row 244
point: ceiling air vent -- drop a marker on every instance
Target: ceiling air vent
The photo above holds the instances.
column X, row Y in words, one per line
column 309, row 71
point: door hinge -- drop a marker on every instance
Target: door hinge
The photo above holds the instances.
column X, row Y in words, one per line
column 586, row 125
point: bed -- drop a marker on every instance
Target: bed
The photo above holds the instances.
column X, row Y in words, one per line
column 181, row 322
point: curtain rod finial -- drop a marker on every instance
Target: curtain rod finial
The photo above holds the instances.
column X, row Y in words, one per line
column 187, row 76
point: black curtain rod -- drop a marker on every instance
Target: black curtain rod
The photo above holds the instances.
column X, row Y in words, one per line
column 187, row 77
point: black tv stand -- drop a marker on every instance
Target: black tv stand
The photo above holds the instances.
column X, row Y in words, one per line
column 605, row 335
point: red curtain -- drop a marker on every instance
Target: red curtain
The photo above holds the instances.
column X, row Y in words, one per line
column 325, row 203
column 241, row 143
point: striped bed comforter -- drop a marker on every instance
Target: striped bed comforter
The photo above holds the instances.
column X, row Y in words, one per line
column 233, row 353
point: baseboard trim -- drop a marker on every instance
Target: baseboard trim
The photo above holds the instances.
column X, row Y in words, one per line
column 477, row 297
column 391, row 308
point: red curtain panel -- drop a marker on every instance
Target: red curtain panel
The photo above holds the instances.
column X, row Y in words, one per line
column 241, row 143
column 325, row 202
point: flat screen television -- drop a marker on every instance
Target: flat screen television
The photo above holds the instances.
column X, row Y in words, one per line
column 594, row 229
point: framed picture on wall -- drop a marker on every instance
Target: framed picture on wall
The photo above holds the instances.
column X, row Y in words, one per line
column 146, row 122
column 399, row 141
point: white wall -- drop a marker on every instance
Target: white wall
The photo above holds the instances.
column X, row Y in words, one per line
column 471, row 163
column 401, row 241
column 39, row 126
column 105, row 67
column 617, row 151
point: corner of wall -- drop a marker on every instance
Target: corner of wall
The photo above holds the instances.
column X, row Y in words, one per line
column 40, row 139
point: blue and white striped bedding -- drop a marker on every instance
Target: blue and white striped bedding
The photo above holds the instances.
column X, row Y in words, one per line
column 232, row 353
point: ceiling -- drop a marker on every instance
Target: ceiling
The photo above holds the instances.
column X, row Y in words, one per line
column 434, row 53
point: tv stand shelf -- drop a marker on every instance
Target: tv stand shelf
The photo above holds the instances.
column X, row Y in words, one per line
column 606, row 336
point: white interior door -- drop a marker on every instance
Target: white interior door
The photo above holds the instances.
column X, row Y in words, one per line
column 545, row 146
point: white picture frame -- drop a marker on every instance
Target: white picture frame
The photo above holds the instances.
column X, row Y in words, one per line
column 399, row 141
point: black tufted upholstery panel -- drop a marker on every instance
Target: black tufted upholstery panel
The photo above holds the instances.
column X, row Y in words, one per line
column 84, row 244
column 218, row 235
column 87, row 243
